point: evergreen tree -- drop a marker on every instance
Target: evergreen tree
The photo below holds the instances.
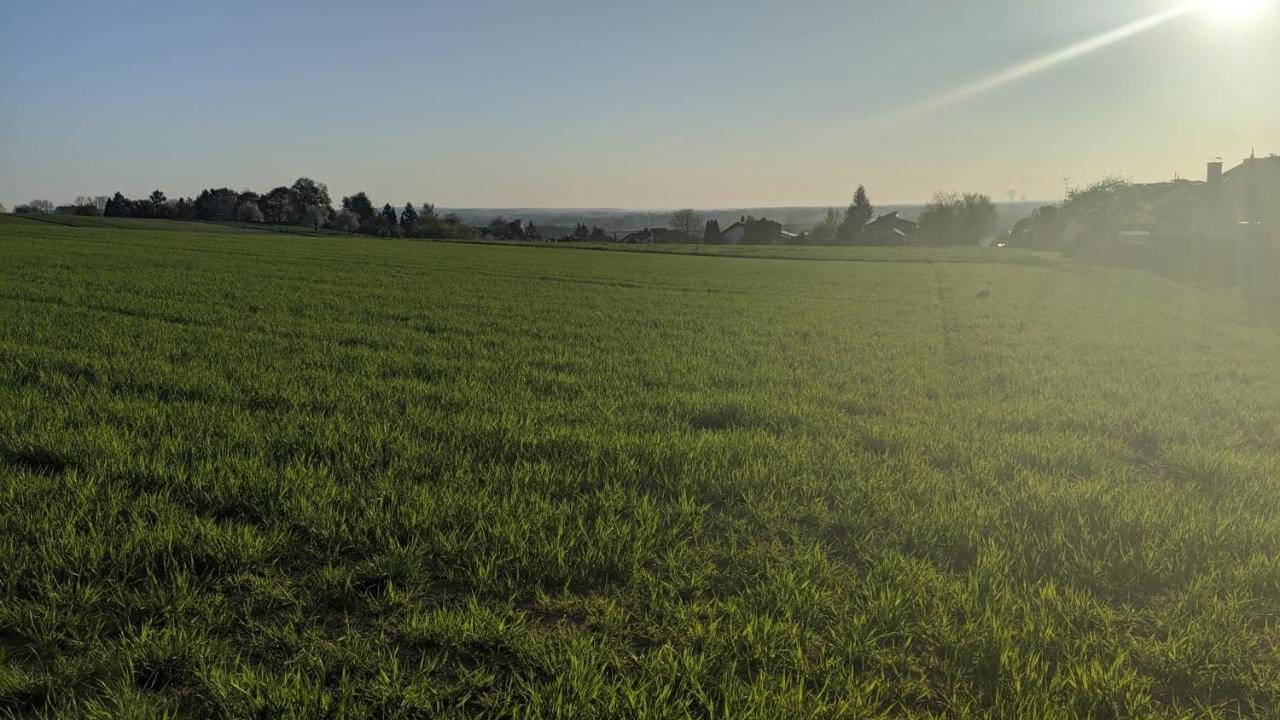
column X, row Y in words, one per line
column 158, row 205
column 408, row 220
column 389, row 220
column 118, row 206
column 712, row 233
column 857, row 216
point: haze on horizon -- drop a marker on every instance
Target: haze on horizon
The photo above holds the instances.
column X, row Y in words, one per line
column 658, row 105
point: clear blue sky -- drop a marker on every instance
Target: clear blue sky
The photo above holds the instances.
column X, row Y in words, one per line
column 716, row 103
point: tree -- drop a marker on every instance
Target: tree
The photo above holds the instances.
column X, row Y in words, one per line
column 856, row 217
column 118, row 206
column 42, row 206
column 451, row 226
column 86, row 206
column 157, row 205
column 217, row 205
column 408, row 220
column 938, row 219
column 346, row 221
column 498, row 226
column 958, row 219
column 711, row 233
column 581, row 232
column 826, row 231
column 979, row 218
column 249, row 212
column 307, row 192
column 1106, row 206
column 598, row 234
column 2, row 210
column 1042, row 229
column 313, row 216
column 184, row 209
column 687, row 222
column 278, row 207
column 531, row 232
column 389, row 224
column 361, row 206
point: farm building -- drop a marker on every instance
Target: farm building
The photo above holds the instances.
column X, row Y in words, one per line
column 889, row 229
column 654, row 235
column 750, row 231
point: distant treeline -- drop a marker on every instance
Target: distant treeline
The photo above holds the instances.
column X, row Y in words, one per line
column 306, row 203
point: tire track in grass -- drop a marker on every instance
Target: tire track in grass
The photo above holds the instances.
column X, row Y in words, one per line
column 948, row 318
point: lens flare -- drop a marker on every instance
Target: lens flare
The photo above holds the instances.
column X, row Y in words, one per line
column 1044, row 62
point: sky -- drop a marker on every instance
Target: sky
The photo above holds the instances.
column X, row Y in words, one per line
column 597, row 103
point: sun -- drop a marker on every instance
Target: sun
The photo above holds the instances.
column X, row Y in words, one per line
column 1236, row 11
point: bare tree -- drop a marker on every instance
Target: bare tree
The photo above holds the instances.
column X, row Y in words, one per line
column 44, row 206
column 687, row 222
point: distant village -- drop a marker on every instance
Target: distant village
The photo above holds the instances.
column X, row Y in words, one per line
column 887, row 229
column 1227, row 203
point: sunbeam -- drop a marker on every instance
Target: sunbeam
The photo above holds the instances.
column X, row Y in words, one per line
column 1052, row 59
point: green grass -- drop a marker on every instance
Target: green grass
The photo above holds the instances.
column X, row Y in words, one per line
column 156, row 225
column 247, row 476
column 807, row 252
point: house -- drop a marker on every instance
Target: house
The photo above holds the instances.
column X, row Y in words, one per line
column 654, row 235
column 750, row 231
column 1248, row 193
column 888, row 229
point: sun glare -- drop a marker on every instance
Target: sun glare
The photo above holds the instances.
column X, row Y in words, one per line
column 1236, row 11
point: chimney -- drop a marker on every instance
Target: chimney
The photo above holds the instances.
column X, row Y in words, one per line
column 1215, row 172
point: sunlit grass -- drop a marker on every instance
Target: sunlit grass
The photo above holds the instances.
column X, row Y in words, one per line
column 307, row 477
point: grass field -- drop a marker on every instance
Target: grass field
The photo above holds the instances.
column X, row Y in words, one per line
column 845, row 253
column 154, row 225
column 250, row 476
